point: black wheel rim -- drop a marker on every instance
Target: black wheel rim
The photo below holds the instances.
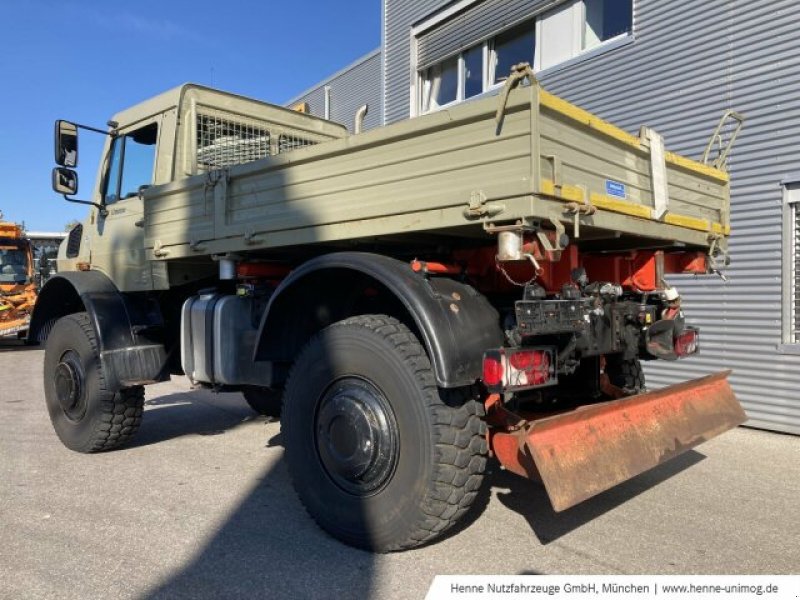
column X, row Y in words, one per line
column 356, row 437
column 69, row 386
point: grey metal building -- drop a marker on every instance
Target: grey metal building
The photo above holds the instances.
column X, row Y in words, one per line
column 675, row 66
column 339, row 97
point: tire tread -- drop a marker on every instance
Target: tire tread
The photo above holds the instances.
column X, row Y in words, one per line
column 627, row 375
column 460, row 445
column 120, row 414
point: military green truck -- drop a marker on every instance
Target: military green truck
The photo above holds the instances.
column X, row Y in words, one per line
column 479, row 283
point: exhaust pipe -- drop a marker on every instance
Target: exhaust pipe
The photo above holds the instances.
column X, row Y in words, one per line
column 361, row 113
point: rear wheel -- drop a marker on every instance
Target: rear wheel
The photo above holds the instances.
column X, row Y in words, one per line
column 380, row 457
column 626, row 374
column 85, row 415
column 264, row 401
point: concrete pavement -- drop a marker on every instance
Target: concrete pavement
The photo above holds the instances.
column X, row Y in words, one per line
column 200, row 506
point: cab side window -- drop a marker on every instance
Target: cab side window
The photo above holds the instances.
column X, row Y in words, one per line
column 132, row 163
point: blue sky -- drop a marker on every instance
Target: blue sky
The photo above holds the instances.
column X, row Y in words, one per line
column 85, row 60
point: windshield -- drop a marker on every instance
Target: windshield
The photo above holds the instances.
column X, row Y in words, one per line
column 13, row 263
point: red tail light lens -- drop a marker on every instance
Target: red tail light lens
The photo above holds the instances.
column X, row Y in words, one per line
column 529, row 368
column 493, row 370
column 519, row 369
column 686, row 343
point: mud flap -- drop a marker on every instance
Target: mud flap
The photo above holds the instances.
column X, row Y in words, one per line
column 579, row 454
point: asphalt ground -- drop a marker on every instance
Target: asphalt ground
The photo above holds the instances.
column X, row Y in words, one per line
column 200, row 505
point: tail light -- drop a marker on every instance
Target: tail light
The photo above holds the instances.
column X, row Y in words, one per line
column 686, row 343
column 494, row 369
column 522, row 369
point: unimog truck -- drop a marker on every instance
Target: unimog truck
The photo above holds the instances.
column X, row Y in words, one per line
column 17, row 281
column 483, row 282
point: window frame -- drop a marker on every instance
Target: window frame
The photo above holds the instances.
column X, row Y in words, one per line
column 790, row 333
column 581, row 53
column 490, row 67
column 122, row 138
column 107, row 178
column 18, row 247
column 616, row 38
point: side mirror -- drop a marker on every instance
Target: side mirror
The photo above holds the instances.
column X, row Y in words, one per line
column 43, row 272
column 65, row 181
column 66, row 144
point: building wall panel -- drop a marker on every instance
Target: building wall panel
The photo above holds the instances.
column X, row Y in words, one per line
column 688, row 63
column 350, row 88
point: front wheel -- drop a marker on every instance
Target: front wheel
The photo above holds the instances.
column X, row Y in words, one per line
column 85, row 415
column 380, row 457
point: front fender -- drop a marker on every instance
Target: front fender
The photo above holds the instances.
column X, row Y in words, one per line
column 123, row 324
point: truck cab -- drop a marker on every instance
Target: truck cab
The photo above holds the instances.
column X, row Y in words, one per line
column 189, row 131
column 17, row 282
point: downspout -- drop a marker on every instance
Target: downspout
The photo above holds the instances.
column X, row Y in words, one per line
column 361, row 113
column 327, row 102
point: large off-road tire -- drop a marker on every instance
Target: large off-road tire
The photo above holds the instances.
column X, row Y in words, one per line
column 264, row 401
column 85, row 415
column 626, row 374
column 380, row 457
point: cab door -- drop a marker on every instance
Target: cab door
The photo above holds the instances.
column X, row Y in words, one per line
column 117, row 247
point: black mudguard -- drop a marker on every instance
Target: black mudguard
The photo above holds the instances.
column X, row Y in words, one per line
column 455, row 323
column 123, row 323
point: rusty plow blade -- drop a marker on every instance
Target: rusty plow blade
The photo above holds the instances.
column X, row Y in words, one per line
column 587, row 451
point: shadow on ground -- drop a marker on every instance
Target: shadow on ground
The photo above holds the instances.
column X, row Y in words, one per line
column 13, row 345
column 178, row 415
column 269, row 547
column 530, row 500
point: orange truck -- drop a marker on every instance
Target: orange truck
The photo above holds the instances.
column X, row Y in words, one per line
column 17, row 285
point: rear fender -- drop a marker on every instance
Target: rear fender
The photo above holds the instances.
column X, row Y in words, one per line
column 454, row 322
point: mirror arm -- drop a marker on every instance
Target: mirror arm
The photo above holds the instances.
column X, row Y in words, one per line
column 101, row 208
column 112, row 124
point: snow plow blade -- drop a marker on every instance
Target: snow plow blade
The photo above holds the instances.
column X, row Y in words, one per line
column 579, row 454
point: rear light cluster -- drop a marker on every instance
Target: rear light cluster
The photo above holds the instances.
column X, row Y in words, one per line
column 507, row 369
column 686, row 343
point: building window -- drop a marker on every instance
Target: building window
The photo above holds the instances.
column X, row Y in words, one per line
column 605, row 20
column 473, row 71
column 580, row 26
column 548, row 40
column 791, row 265
column 441, row 85
column 791, row 268
column 477, row 69
column 795, row 278
column 512, row 47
